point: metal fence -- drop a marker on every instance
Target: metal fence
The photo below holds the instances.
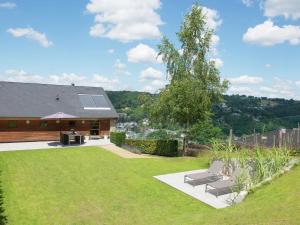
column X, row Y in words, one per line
column 280, row 138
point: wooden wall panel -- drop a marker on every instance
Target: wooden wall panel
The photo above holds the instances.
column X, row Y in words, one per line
column 19, row 136
column 35, row 132
column 35, row 125
column 104, row 127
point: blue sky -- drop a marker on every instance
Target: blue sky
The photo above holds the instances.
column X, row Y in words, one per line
column 112, row 43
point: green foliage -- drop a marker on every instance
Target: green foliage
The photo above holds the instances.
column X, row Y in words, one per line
column 118, row 138
column 205, row 132
column 183, row 103
column 259, row 164
column 132, row 103
column 195, row 83
column 3, row 218
column 155, row 147
column 158, row 135
column 267, row 163
column 241, row 113
column 244, row 114
column 129, row 98
column 219, row 146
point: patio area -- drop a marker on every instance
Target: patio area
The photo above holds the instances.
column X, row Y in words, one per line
column 48, row 144
column 176, row 180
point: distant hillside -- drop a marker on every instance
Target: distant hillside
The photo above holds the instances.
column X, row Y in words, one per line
column 244, row 114
column 238, row 112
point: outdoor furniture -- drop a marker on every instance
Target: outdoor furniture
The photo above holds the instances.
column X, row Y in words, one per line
column 66, row 138
column 212, row 174
column 222, row 187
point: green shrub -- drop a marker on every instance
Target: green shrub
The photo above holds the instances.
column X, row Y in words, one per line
column 204, row 132
column 155, row 147
column 118, row 138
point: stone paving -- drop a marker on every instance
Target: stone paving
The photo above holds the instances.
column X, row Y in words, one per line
column 43, row 145
column 47, row 144
column 176, row 180
column 123, row 153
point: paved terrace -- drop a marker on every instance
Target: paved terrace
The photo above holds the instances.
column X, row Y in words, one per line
column 176, row 180
column 16, row 146
column 43, row 145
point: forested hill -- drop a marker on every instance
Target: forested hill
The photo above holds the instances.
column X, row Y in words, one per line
column 241, row 113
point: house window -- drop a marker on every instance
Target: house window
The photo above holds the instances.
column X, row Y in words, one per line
column 44, row 124
column 94, row 102
column 72, row 124
column 12, row 124
column 95, row 127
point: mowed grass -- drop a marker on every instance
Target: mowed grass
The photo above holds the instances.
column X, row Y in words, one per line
column 92, row 186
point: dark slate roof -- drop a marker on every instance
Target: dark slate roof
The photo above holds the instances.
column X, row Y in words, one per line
column 38, row 100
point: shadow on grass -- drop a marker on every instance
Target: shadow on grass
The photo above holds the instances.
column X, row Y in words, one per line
column 3, row 219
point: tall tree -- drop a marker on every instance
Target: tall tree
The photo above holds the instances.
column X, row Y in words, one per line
column 195, row 83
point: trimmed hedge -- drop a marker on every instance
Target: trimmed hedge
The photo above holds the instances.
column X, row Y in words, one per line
column 155, row 147
column 118, row 138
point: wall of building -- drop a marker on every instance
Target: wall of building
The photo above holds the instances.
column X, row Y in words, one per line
column 36, row 130
column 113, row 123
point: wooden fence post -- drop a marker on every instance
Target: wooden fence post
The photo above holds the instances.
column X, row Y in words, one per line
column 298, row 134
column 230, row 137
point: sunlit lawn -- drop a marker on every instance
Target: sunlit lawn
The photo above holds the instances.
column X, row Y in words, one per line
column 92, row 186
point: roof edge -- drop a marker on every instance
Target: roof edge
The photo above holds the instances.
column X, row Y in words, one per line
column 65, row 85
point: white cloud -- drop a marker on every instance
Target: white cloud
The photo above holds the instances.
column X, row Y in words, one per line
column 97, row 30
column 119, row 65
column 8, row 5
column 125, row 20
column 234, row 90
column 212, row 18
column 111, row 51
column 66, row 78
column 213, row 21
column 121, row 68
column 247, row 3
column 20, row 76
column 63, row 79
column 106, row 83
column 154, row 80
column 268, row 34
column 286, row 8
column 31, row 34
column 272, row 88
column 269, row 90
column 245, row 79
column 151, row 74
column 218, row 62
column 268, row 65
column 143, row 54
column 154, row 86
column 215, row 39
column 274, row 92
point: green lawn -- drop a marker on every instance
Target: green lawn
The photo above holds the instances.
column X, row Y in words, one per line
column 92, row 186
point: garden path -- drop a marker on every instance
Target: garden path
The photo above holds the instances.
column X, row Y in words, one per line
column 124, row 153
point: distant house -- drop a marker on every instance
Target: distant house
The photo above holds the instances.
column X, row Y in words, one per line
column 22, row 105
